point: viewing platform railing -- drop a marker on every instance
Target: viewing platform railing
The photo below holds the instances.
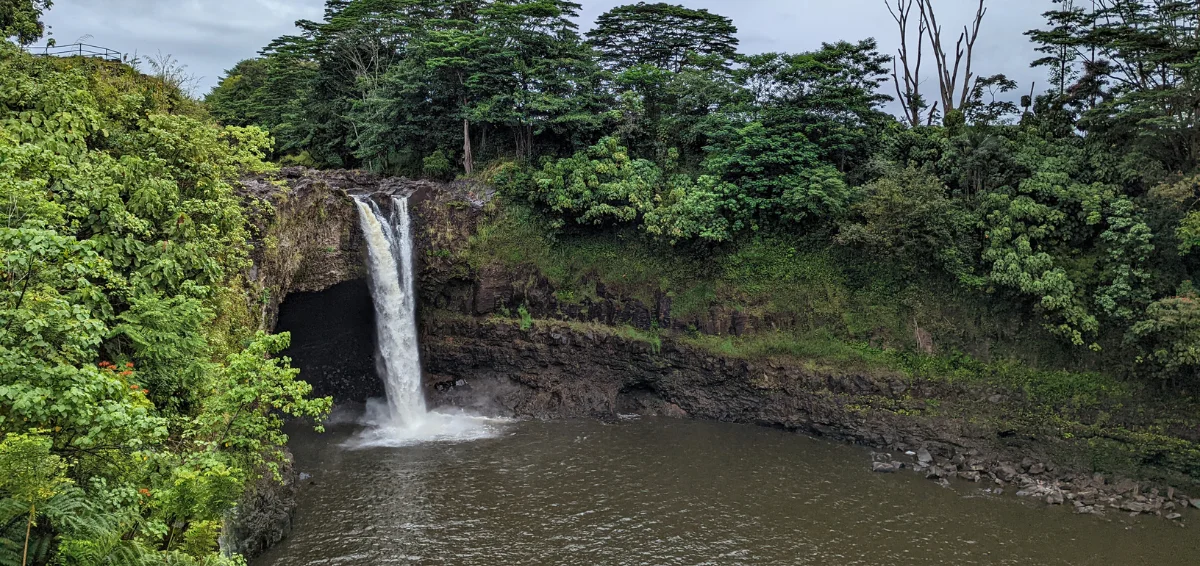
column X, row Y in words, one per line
column 75, row 50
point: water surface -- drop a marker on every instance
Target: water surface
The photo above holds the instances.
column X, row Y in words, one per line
column 666, row 492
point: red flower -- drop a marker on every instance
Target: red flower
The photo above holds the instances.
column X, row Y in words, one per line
column 129, row 365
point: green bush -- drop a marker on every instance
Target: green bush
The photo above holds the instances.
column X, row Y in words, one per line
column 125, row 240
column 437, row 166
column 526, row 318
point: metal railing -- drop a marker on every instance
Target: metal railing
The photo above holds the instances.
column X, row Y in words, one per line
column 75, row 50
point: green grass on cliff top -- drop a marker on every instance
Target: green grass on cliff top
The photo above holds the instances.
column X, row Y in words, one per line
column 790, row 283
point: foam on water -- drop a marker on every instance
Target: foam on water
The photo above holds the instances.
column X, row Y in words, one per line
column 403, row 420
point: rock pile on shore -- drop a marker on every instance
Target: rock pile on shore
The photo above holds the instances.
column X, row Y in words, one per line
column 1090, row 495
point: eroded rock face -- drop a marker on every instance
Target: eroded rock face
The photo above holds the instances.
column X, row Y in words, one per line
column 264, row 516
column 569, row 370
column 558, row 370
column 308, row 238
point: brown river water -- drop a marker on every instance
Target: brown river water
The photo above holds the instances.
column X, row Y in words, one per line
column 666, row 492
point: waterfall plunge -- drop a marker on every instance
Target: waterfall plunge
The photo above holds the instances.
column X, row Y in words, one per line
column 389, row 248
column 404, row 419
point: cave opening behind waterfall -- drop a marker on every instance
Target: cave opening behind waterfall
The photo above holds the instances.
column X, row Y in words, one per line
column 333, row 341
column 358, row 342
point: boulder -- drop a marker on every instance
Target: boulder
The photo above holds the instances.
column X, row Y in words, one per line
column 1134, row 507
column 924, row 457
column 1006, row 473
column 884, row 468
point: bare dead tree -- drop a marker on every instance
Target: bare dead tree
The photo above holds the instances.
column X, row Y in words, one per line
column 171, row 72
column 908, row 84
column 955, row 94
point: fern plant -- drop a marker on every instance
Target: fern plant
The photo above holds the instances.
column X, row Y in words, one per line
column 69, row 529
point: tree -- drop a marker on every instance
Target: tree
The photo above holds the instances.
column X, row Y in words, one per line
column 955, row 75
column 829, row 96
column 413, row 109
column 954, row 96
column 664, row 113
column 602, row 186
column 538, row 76
column 1138, row 85
column 908, row 214
column 663, row 35
column 906, row 68
column 452, row 42
column 1169, row 336
column 985, row 107
column 287, row 91
column 1062, row 54
column 237, row 98
column 778, row 175
column 31, row 475
column 22, row 19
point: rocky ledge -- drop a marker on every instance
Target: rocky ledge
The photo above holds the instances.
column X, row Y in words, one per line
column 551, row 369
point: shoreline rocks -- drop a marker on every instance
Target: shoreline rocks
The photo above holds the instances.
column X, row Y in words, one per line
column 1087, row 495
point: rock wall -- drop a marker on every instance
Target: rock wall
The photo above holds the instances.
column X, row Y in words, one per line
column 308, row 238
column 941, row 429
column 264, row 516
column 555, row 370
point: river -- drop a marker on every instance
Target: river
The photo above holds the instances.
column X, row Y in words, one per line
column 670, row 492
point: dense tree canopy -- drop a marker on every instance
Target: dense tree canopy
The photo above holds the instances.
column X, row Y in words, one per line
column 662, row 35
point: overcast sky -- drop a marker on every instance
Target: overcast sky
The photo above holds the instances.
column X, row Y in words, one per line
column 209, row 36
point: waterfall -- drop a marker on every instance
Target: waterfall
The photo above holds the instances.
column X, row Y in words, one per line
column 389, row 246
column 404, row 419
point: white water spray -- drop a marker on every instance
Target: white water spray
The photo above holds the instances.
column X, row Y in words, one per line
column 404, row 420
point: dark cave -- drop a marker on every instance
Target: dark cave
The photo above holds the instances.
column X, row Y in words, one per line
column 333, row 341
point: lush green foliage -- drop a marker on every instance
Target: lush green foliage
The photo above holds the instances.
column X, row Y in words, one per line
column 22, row 19
column 128, row 425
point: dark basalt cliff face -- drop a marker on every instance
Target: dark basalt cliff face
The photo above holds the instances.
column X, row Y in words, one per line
column 940, row 429
column 308, row 237
column 555, row 369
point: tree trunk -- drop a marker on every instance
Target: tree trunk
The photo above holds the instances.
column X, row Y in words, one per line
column 28, row 530
column 468, row 156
